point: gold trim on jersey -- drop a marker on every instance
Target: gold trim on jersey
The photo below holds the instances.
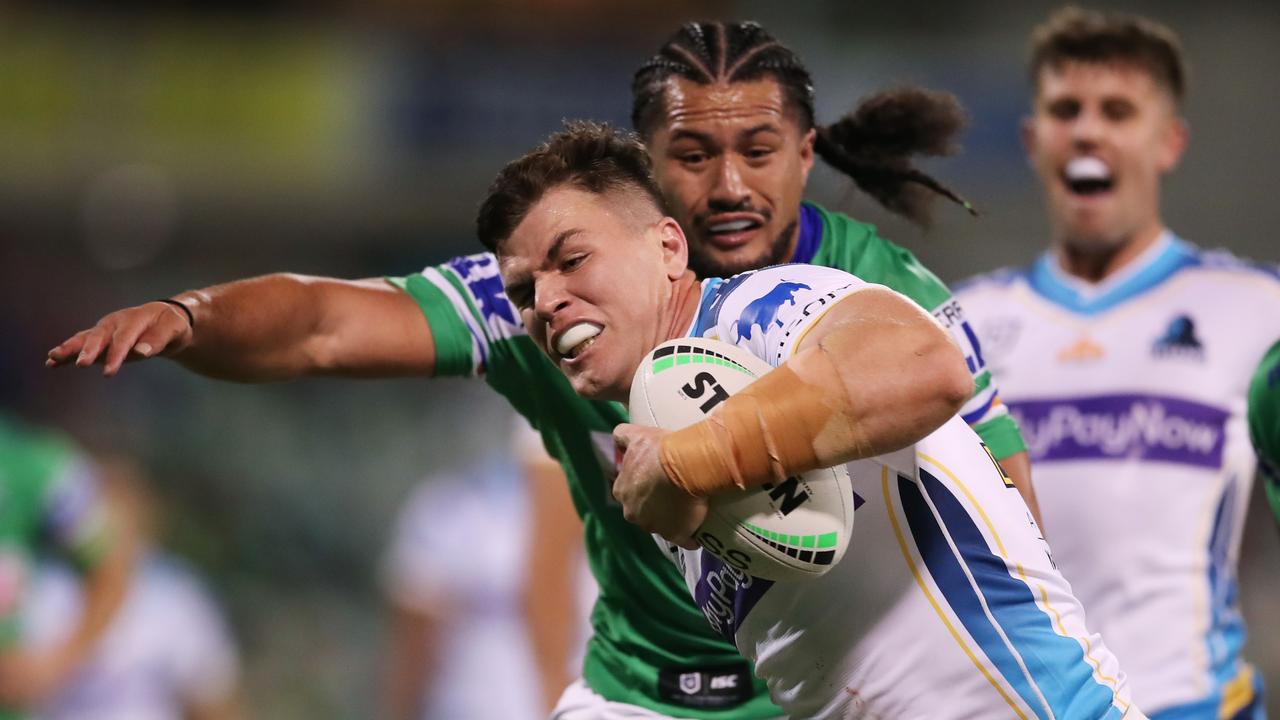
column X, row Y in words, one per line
column 915, row 572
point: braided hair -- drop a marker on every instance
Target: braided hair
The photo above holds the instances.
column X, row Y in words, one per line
column 873, row 145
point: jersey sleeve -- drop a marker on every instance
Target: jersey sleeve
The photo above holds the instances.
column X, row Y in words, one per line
column 768, row 312
column 984, row 411
column 467, row 310
column 1264, row 423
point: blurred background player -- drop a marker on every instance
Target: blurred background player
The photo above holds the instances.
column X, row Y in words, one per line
column 1125, row 353
column 51, row 502
column 167, row 654
column 1264, row 424
column 453, row 576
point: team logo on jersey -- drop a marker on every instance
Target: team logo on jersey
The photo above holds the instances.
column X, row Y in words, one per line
column 1179, row 340
column 999, row 335
column 1082, row 350
column 705, row 688
column 763, row 311
column 480, row 273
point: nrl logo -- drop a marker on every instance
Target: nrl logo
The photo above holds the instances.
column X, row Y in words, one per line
column 691, row 683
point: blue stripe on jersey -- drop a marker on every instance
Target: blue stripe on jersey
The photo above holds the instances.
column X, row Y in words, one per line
column 1041, row 665
column 810, row 235
column 706, row 319
column 1226, row 629
column 973, row 417
column 1043, row 279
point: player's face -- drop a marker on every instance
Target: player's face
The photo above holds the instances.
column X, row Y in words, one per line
column 732, row 163
column 1100, row 137
column 592, row 275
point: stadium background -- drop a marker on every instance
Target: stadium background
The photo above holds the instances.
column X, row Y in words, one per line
column 154, row 147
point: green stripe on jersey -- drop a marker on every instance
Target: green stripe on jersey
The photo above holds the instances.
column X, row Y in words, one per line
column 449, row 332
column 982, row 382
column 1002, row 436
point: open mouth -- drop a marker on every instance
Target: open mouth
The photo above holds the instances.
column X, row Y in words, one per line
column 733, row 226
column 732, row 229
column 575, row 341
column 1088, row 176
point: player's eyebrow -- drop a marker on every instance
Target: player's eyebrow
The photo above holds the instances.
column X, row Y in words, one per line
column 762, row 127
column 686, row 134
column 558, row 243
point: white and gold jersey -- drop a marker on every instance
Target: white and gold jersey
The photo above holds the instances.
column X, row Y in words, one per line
column 1131, row 397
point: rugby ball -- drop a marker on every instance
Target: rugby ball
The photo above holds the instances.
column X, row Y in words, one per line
column 792, row 530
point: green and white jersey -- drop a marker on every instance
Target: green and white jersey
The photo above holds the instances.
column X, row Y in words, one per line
column 1264, row 423
column 647, row 632
column 650, row 643
column 48, row 500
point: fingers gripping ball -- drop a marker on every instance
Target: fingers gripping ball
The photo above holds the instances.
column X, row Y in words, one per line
column 791, row 530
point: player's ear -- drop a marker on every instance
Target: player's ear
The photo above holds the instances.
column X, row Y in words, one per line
column 675, row 248
column 1176, row 134
column 1027, row 133
column 806, row 152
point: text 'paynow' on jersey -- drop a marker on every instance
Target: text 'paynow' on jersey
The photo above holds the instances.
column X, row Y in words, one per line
column 1131, row 396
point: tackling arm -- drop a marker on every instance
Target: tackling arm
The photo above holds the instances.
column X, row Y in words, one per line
column 273, row 327
column 873, row 375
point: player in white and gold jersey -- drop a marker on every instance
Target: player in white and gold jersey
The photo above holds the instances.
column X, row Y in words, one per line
column 1125, row 353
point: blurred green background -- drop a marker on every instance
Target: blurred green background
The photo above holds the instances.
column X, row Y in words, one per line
column 147, row 148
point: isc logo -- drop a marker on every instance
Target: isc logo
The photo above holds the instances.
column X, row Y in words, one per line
column 724, row 682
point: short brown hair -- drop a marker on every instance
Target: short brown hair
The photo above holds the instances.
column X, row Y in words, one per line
column 1074, row 34
column 589, row 156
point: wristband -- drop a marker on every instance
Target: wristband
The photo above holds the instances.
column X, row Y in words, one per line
column 191, row 318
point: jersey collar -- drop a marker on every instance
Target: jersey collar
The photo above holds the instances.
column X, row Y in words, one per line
column 810, row 235
column 1166, row 256
column 703, row 319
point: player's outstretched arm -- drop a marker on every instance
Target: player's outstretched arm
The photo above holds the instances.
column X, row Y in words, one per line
column 267, row 328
